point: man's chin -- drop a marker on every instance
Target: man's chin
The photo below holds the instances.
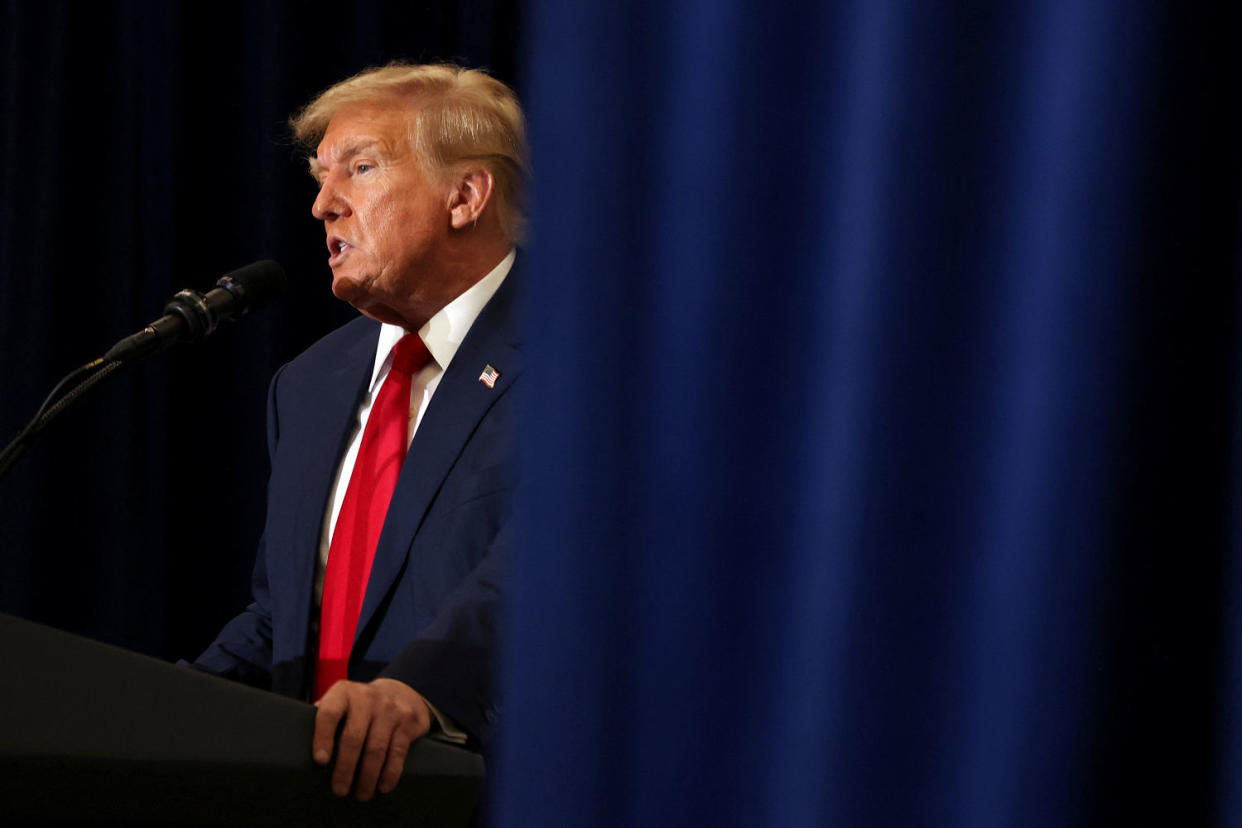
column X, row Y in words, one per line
column 349, row 290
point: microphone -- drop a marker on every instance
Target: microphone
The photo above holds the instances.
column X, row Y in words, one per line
column 190, row 316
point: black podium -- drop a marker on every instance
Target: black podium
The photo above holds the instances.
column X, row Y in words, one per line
column 94, row 734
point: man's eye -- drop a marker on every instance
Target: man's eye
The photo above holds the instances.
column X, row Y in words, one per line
column 361, row 168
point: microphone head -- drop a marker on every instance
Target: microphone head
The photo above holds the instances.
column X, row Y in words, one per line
column 254, row 285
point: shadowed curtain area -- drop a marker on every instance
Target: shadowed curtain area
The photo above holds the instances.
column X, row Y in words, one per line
column 882, row 445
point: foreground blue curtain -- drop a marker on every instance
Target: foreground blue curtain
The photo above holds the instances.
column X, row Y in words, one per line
column 880, row 427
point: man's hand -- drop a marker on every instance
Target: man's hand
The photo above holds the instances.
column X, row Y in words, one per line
column 381, row 718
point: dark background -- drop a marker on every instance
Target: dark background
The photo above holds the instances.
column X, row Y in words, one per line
column 884, row 367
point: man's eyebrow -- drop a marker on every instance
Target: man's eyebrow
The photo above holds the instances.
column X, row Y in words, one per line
column 347, row 152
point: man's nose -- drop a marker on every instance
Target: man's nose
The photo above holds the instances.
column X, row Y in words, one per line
column 329, row 204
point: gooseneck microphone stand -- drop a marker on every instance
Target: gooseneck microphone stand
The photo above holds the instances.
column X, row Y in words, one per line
column 52, row 407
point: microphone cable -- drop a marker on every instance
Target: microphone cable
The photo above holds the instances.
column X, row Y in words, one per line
column 52, row 406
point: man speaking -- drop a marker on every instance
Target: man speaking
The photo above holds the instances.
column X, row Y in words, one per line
column 377, row 582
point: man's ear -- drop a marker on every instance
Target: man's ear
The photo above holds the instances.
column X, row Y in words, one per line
column 471, row 193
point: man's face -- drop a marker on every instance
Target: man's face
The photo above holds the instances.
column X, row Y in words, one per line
column 385, row 219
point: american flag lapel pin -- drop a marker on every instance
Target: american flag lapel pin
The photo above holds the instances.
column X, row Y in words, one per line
column 489, row 376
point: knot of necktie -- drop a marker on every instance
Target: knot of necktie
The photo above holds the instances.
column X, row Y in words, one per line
column 409, row 355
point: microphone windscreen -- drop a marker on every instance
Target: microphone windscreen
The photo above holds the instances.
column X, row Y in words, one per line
column 255, row 284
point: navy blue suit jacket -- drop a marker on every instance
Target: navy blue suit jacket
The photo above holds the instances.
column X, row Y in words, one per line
column 431, row 613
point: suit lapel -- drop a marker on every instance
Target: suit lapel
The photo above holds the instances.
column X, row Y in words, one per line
column 460, row 402
column 331, row 423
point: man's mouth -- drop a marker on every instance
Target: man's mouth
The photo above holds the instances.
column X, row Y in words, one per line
column 337, row 250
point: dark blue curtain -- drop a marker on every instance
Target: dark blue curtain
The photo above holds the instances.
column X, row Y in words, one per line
column 883, row 401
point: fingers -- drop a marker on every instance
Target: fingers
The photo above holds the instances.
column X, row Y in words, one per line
column 352, row 740
column 395, row 763
column 328, row 715
column 373, row 755
column 382, row 719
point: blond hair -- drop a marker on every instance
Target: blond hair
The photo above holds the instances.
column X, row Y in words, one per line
column 458, row 115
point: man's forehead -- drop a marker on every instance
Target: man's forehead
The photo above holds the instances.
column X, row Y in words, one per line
column 373, row 128
column 365, row 124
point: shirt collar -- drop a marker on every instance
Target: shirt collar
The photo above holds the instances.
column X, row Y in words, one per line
column 444, row 332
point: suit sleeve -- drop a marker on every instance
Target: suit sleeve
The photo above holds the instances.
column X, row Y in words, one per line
column 243, row 649
column 453, row 661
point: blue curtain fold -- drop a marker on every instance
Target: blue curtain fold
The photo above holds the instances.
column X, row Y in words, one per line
column 884, row 372
column 1227, row 774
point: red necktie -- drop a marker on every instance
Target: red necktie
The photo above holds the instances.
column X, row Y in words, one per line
column 358, row 526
